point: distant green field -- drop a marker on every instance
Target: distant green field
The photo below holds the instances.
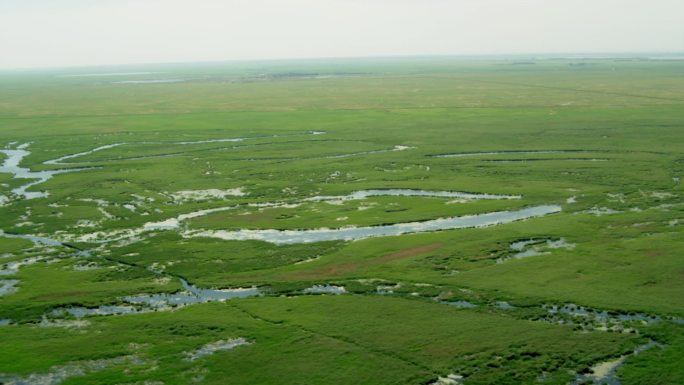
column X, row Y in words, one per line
column 187, row 216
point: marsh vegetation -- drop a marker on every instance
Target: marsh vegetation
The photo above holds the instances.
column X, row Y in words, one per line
column 406, row 221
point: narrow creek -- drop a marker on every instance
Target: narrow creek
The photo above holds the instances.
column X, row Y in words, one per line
column 144, row 303
column 363, row 194
column 282, row 237
column 504, row 152
column 605, row 373
column 11, row 166
column 175, row 223
column 17, row 154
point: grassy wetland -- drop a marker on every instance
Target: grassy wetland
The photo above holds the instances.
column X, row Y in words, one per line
column 405, row 221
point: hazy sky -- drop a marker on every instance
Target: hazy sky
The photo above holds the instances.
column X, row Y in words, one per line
column 48, row 33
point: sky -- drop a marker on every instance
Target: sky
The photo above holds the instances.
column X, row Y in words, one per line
column 62, row 33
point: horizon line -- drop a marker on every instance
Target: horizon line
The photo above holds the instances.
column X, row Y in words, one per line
column 595, row 55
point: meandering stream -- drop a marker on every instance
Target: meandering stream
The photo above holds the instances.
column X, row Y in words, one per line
column 282, row 237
